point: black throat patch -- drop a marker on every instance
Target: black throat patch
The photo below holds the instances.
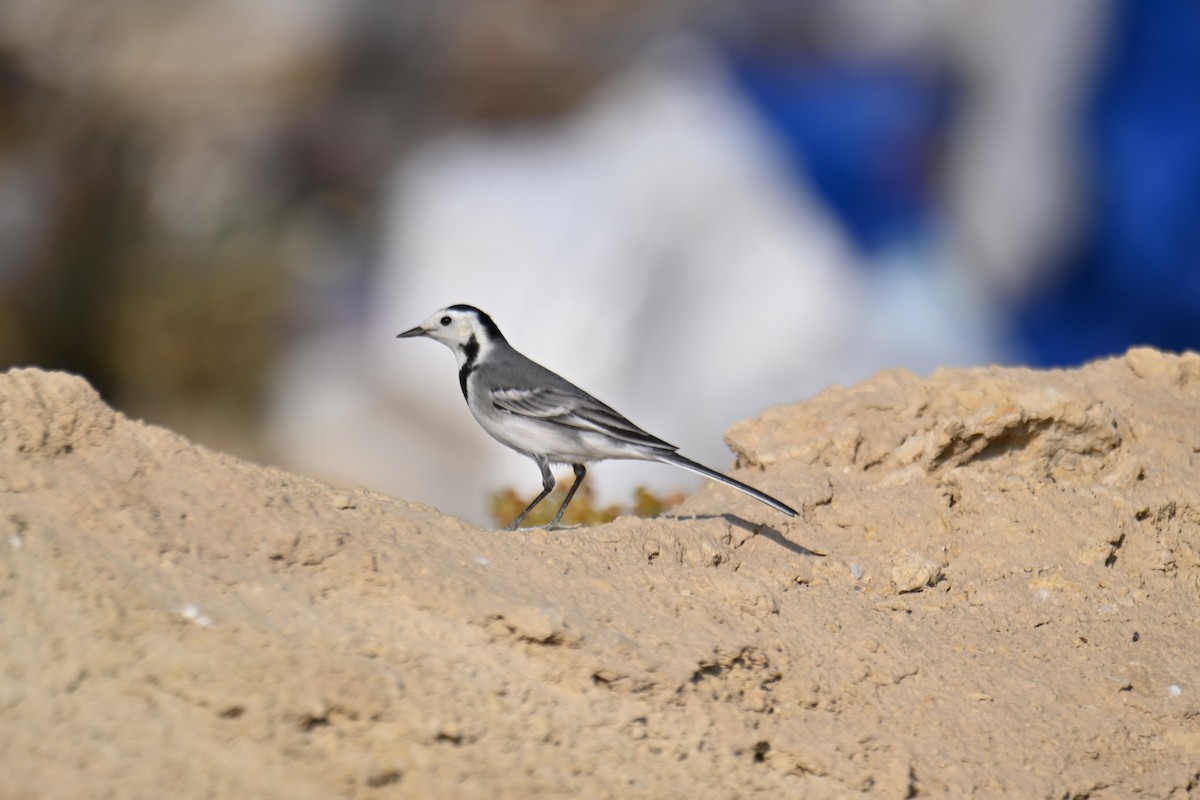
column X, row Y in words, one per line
column 471, row 351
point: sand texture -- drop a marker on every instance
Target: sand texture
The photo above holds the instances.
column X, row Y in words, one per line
column 993, row 590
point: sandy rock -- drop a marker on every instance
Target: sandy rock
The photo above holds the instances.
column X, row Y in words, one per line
column 912, row 572
column 991, row 591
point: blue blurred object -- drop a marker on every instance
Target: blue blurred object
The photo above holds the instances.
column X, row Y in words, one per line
column 1134, row 278
column 863, row 134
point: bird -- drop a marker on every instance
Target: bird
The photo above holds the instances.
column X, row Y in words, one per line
column 541, row 415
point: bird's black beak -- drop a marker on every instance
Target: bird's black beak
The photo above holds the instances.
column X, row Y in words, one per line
column 417, row 331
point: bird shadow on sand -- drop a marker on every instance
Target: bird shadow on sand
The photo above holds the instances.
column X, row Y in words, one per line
column 756, row 529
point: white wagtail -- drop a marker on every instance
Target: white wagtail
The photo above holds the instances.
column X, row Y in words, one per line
column 527, row 407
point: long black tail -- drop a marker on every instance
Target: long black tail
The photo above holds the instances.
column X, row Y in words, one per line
column 700, row 469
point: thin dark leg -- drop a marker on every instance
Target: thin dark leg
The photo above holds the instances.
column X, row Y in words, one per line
column 547, row 488
column 580, row 471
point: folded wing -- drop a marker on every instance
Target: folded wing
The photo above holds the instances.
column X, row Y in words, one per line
column 573, row 408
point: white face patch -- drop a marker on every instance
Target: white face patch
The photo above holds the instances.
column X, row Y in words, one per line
column 457, row 331
column 462, row 333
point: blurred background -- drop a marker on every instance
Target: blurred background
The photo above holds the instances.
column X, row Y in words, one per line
column 221, row 212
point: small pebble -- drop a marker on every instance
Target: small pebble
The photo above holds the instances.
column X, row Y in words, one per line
column 192, row 613
column 912, row 572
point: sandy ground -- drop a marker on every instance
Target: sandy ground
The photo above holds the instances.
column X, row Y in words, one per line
column 992, row 591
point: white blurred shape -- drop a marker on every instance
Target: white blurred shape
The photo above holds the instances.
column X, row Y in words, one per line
column 650, row 249
column 1015, row 180
column 654, row 249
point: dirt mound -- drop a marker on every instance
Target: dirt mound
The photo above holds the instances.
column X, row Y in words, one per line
column 992, row 590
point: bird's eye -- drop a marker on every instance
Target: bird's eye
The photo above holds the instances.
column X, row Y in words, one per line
column 444, row 321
